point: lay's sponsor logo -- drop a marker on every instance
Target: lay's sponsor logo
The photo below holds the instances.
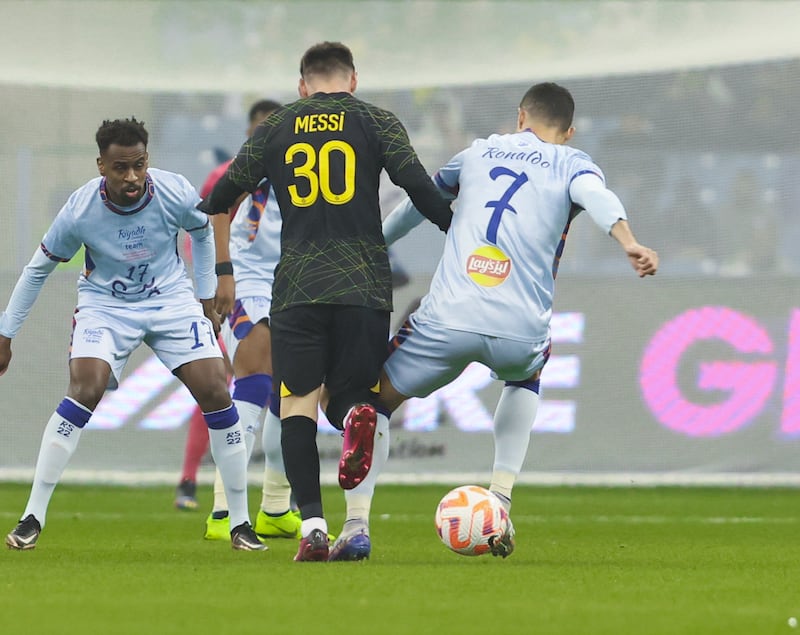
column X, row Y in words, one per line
column 488, row 266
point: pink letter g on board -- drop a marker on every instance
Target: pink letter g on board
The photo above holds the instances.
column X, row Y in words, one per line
column 748, row 384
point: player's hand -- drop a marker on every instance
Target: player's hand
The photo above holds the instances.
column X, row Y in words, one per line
column 5, row 354
column 211, row 313
column 226, row 296
column 643, row 259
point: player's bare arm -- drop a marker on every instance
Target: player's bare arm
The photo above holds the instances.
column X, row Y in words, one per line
column 643, row 259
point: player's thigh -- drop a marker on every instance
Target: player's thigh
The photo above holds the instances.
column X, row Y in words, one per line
column 300, row 348
column 512, row 360
column 424, row 357
column 254, row 354
column 206, row 379
column 180, row 333
column 246, row 335
column 358, row 348
column 109, row 334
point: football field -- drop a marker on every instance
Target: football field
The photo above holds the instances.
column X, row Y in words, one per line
column 588, row 560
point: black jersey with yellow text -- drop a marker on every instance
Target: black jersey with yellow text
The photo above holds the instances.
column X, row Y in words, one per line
column 323, row 156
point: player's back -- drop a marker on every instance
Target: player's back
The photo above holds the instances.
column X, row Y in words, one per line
column 324, row 157
column 327, row 174
column 509, row 225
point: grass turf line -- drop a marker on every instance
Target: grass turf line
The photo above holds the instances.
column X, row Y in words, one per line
column 589, row 560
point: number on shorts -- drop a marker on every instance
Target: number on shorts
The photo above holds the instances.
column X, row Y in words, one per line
column 195, row 329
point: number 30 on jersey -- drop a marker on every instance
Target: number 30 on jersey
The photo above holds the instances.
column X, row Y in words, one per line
column 316, row 171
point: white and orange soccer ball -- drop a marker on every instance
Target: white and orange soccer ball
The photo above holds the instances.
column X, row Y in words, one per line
column 467, row 517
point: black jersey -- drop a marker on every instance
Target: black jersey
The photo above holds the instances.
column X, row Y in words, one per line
column 323, row 156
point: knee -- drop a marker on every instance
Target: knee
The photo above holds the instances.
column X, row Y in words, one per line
column 87, row 393
column 214, row 395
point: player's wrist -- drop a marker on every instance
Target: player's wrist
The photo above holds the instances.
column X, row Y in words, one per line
column 224, row 268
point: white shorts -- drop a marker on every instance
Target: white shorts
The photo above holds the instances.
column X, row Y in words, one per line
column 247, row 312
column 177, row 334
column 426, row 356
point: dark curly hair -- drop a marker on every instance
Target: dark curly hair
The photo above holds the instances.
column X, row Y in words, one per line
column 125, row 132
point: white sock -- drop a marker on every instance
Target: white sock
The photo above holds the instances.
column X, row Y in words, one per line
column 276, row 492
column 359, row 499
column 220, row 500
column 250, row 416
column 310, row 524
column 59, row 442
column 230, row 455
column 513, row 421
column 250, row 420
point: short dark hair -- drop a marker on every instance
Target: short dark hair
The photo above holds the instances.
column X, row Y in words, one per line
column 125, row 132
column 262, row 106
column 551, row 103
column 326, row 58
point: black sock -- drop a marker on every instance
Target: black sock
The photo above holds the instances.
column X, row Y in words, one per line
column 301, row 460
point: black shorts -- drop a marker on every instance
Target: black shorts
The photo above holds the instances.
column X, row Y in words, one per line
column 342, row 346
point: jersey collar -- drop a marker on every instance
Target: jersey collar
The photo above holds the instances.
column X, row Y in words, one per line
column 149, row 192
column 533, row 133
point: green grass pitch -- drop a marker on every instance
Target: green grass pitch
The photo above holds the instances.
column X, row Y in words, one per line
column 588, row 560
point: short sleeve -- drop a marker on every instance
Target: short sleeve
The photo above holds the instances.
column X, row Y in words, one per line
column 61, row 242
column 581, row 163
column 192, row 217
column 447, row 178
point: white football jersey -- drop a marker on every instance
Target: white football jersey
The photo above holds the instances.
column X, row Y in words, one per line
column 131, row 252
column 510, row 220
column 255, row 243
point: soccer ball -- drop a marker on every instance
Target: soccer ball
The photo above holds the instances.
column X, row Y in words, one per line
column 467, row 517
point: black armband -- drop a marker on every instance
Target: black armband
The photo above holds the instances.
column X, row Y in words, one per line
column 224, row 268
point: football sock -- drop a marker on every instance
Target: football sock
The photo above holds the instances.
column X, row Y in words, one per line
column 220, row 500
column 359, row 499
column 250, row 396
column 513, row 421
column 276, row 492
column 301, row 458
column 310, row 524
column 504, row 500
column 59, row 442
column 250, row 420
column 230, row 455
